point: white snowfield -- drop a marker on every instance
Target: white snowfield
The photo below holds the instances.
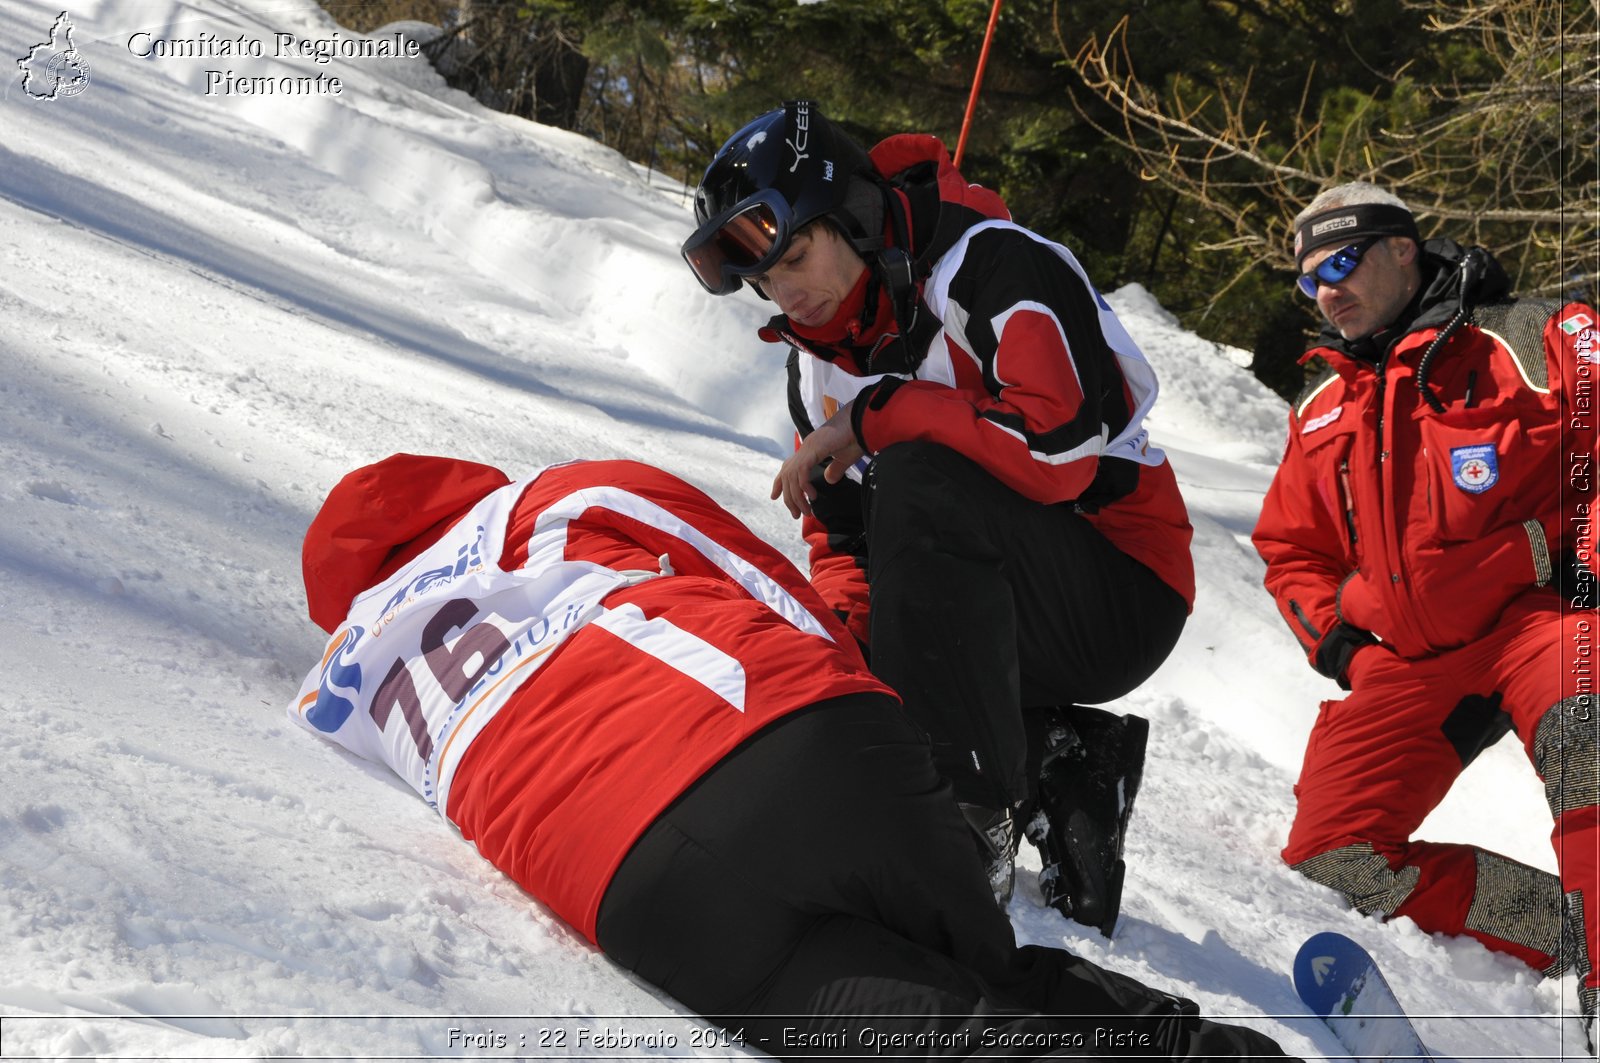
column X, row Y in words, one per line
column 215, row 305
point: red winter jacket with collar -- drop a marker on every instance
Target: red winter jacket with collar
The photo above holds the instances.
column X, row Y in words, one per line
column 1389, row 519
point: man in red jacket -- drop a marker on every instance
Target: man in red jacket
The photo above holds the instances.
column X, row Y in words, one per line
column 646, row 717
column 1429, row 540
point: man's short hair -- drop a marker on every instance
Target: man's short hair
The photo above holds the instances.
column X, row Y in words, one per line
column 1350, row 194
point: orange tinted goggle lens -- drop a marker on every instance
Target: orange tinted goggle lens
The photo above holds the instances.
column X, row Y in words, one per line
column 749, row 237
column 747, row 243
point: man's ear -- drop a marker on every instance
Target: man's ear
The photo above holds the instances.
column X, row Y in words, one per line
column 1404, row 249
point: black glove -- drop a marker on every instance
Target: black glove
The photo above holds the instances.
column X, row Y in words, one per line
column 1337, row 648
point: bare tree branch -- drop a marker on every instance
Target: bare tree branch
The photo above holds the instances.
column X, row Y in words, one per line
column 1507, row 160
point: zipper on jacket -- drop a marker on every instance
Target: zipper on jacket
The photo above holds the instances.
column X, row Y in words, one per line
column 1305, row 622
column 1348, row 498
column 1403, row 612
column 1383, row 388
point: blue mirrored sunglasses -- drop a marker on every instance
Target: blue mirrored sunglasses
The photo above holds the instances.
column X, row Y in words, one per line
column 1335, row 268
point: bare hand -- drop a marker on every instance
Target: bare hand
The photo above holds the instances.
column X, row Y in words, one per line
column 834, row 443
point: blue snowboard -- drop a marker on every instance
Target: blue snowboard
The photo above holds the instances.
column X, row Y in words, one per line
column 1341, row 983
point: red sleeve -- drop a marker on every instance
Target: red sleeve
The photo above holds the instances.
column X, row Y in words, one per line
column 976, row 426
column 1304, row 551
column 839, row 577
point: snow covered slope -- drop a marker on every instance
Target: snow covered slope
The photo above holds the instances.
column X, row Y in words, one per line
column 215, row 305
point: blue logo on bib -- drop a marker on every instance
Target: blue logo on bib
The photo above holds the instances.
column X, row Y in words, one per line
column 339, row 686
column 1475, row 469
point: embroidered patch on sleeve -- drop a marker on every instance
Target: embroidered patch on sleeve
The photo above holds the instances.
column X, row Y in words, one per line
column 1576, row 323
column 1322, row 420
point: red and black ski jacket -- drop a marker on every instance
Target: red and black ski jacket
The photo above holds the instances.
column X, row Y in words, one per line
column 1009, row 356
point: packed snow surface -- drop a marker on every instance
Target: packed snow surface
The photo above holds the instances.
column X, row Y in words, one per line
column 214, row 305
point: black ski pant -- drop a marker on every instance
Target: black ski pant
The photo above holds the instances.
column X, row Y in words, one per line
column 816, row 895
column 984, row 601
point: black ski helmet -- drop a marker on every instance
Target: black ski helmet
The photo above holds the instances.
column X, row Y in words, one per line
column 798, row 153
column 782, row 171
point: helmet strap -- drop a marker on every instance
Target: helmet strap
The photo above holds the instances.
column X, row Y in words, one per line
column 860, row 214
column 899, row 272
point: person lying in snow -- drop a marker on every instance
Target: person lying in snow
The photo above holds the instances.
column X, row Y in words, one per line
column 644, row 715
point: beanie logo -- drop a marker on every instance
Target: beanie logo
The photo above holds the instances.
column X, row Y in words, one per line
column 1333, row 225
column 802, row 134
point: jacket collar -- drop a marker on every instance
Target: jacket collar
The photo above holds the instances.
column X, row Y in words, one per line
column 930, row 205
column 1446, row 287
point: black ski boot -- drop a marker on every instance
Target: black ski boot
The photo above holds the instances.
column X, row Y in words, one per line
column 995, row 833
column 1091, row 767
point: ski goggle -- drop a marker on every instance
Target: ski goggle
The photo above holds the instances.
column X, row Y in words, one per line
column 745, row 240
column 1335, row 268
